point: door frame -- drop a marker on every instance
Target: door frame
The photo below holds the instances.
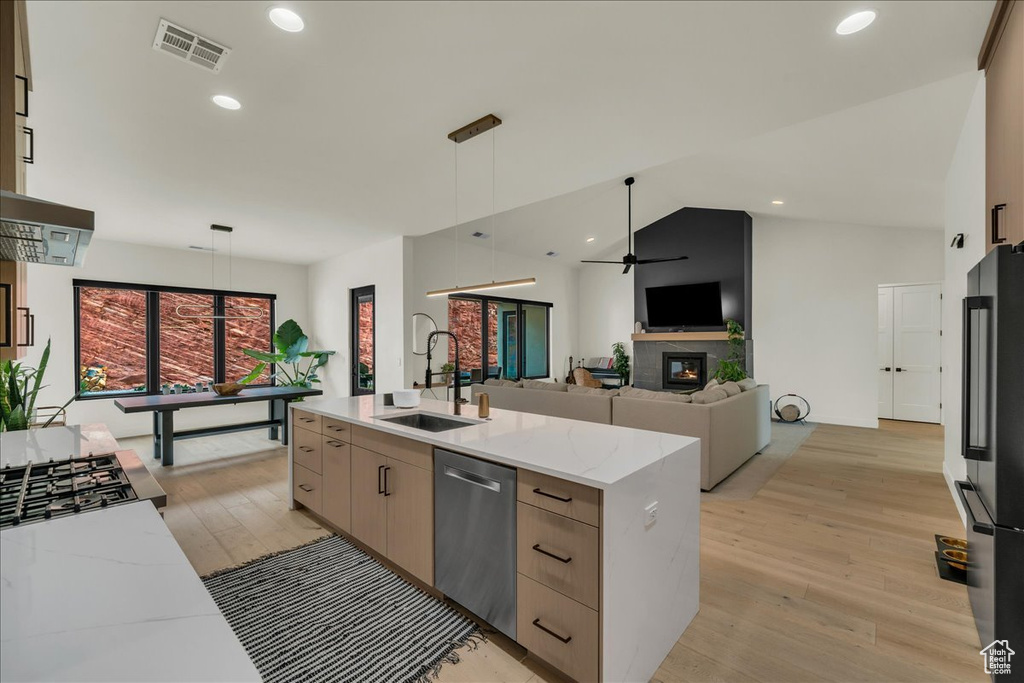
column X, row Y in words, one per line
column 354, row 296
column 894, row 286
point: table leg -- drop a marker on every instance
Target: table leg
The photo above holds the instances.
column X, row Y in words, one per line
column 284, row 420
column 275, row 410
column 166, row 437
column 156, row 436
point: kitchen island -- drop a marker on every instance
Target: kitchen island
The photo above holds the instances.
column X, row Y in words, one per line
column 613, row 514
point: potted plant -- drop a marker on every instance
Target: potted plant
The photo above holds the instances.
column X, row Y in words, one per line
column 447, row 370
column 292, row 347
column 620, row 362
column 731, row 369
column 19, row 388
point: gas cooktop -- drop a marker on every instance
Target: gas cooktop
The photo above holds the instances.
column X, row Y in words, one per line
column 38, row 491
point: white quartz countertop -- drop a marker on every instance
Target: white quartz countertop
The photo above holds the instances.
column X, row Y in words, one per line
column 58, row 443
column 109, row 596
column 597, row 455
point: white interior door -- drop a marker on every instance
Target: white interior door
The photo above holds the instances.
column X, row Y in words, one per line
column 885, row 372
column 916, row 393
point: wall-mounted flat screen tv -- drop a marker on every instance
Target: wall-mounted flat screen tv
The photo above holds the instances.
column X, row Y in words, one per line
column 696, row 305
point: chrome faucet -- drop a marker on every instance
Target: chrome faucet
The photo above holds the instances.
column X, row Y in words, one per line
column 458, row 375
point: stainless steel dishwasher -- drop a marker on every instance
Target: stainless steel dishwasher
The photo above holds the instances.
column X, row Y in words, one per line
column 475, row 537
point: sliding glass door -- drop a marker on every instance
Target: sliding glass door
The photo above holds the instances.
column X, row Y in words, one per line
column 363, row 359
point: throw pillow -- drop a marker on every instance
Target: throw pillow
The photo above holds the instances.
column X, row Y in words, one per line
column 594, row 391
column 707, row 396
column 502, row 383
column 544, row 386
column 648, row 395
column 747, row 384
column 710, row 385
column 585, row 379
column 730, row 388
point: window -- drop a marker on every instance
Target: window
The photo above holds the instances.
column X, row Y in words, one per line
column 363, row 339
column 512, row 340
column 136, row 338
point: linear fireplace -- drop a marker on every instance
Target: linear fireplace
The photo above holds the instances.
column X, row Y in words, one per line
column 683, row 370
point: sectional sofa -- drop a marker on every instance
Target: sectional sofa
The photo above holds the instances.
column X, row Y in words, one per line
column 730, row 430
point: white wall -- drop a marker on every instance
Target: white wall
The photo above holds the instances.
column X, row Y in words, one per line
column 50, row 299
column 605, row 309
column 330, row 284
column 433, row 267
column 965, row 212
column 816, row 308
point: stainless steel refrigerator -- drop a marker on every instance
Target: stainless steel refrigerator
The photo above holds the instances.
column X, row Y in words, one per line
column 993, row 445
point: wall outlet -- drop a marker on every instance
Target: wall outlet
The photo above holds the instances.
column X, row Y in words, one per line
column 651, row 514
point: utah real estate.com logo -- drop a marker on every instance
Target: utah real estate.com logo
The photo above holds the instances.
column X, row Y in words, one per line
column 997, row 657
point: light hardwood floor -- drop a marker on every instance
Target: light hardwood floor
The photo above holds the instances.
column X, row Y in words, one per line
column 827, row 574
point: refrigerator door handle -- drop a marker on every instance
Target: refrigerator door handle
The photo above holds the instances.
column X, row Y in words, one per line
column 972, row 520
column 970, row 452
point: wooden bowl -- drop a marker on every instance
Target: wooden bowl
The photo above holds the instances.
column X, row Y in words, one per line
column 228, row 388
column 958, row 543
column 955, row 556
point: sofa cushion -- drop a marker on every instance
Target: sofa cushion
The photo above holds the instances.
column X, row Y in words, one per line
column 707, row 396
column 594, row 391
column 647, row 394
column 544, row 386
column 730, row 388
column 502, row 383
column 747, row 384
column 713, row 383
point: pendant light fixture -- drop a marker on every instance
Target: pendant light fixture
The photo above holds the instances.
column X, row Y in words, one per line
column 198, row 311
column 467, row 132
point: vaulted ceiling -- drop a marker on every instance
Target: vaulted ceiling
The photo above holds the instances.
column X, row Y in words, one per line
column 341, row 138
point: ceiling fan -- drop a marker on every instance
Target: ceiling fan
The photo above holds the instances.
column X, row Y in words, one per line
column 630, row 259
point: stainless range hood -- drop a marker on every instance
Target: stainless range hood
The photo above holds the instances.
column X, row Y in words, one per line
column 37, row 231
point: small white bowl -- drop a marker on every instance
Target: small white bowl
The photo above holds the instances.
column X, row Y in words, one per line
column 407, row 398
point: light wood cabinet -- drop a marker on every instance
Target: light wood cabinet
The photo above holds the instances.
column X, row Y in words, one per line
column 15, row 317
column 558, row 630
column 1002, row 58
column 337, row 483
column 560, row 553
column 410, row 495
column 369, row 506
column 562, row 497
column 307, row 488
column 306, row 450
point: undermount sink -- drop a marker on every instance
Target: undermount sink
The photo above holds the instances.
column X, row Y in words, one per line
column 428, row 422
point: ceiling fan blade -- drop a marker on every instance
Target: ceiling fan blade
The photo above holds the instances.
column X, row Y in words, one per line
column 626, row 269
column 617, row 263
column 662, row 260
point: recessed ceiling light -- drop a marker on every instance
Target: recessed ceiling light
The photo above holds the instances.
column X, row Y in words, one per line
column 551, row 253
column 226, row 102
column 855, row 22
column 286, row 20
column 479, row 235
column 591, row 239
column 777, row 202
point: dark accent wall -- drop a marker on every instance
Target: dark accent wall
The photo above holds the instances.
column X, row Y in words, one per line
column 719, row 244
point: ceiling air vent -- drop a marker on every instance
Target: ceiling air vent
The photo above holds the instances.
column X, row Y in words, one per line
column 190, row 47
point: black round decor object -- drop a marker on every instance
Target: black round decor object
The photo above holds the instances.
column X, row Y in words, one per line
column 792, row 411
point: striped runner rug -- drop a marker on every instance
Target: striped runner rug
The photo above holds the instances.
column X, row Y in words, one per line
column 327, row 611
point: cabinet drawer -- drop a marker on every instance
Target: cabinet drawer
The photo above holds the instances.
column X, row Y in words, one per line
column 306, row 449
column 557, row 629
column 559, row 552
column 306, row 488
column 408, row 451
column 337, row 429
column 562, row 497
column 310, row 421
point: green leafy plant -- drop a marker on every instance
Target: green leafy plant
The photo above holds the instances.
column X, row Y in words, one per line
column 448, row 369
column 731, row 369
column 19, row 387
column 620, row 361
column 292, row 348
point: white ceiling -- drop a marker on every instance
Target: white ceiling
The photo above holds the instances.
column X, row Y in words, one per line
column 341, row 139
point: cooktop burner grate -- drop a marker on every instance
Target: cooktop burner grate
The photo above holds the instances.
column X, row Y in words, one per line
column 40, row 491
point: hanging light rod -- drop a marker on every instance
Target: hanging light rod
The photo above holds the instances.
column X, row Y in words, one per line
column 471, row 130
column 484, row 287
column 199, row 311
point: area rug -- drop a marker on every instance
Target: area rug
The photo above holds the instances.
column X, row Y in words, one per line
column 745, row 482
column 327, row 611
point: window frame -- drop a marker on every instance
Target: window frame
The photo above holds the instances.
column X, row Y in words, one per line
column 153, row 293
column 485, row 300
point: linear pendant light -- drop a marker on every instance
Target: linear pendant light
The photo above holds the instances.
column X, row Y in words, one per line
column 196, row 311
column 468, row 132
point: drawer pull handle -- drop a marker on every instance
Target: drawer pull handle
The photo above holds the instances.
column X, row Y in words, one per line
column 307, row 419
column 306, row 487
column 551, row 495
column 305, row 449
column 536, row 622
column 540, row 550
column 334, row 444
column 337, row 429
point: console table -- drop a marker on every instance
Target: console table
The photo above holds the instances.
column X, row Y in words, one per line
column 163, row 408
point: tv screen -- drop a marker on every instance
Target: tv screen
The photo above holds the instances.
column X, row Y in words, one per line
column 698, row 305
